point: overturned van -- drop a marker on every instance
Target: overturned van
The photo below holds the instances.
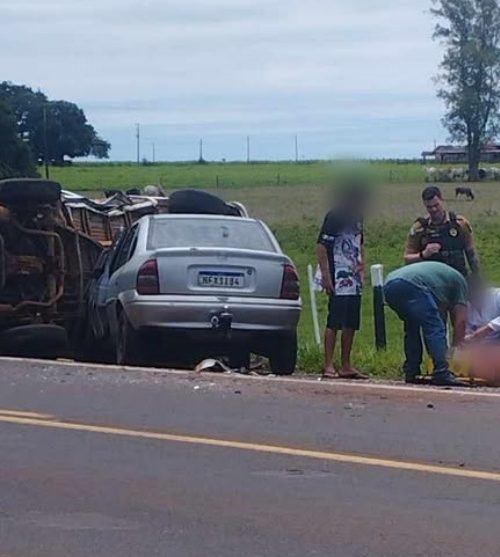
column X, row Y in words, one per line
column 49, row 243
column 44, row 262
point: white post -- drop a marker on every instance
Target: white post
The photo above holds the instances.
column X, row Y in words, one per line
column 314, row 305
column 377, row 272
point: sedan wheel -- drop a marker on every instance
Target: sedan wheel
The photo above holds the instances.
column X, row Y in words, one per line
column 283, row 354
column 128, row 345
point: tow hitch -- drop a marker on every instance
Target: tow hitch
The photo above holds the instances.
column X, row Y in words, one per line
column 222, row 320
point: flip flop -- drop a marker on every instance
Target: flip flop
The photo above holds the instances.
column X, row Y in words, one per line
column 355, row 374
column 330, row 375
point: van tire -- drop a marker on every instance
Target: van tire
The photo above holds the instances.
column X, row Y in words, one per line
column 44, row 341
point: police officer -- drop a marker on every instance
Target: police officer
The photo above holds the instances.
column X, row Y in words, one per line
column 442, row 236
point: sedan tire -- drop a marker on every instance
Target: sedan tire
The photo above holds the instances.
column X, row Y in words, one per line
column 283, row 355
column 128, row 344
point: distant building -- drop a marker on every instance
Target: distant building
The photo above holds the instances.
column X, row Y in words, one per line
column 450, row 153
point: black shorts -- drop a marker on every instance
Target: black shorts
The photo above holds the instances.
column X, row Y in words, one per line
column 344, row 312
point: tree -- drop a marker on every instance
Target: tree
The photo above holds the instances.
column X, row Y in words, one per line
column 26, row 105
column 15, row 156
column 100, row 148
column 68, row 133
column 61, row 125
column 470, row 72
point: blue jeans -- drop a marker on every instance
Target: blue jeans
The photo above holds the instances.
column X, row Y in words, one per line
column 419, row 311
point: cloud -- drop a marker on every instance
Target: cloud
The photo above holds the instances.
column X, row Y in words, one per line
column 227, row 68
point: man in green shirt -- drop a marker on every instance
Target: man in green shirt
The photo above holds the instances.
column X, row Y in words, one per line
column 421, row 294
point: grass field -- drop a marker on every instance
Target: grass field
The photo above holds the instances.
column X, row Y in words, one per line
column 295, row 208
column 96, row 177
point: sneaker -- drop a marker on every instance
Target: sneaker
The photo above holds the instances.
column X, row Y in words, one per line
column 447, row 379
column 413, row 377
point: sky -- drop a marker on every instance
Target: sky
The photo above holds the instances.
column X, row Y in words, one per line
column 348, row 78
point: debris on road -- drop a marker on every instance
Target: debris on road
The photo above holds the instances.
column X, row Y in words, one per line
column 212, row 365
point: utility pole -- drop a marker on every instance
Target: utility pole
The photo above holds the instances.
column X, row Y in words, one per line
column 296, row 148
column 138, row 142
column 45, row 143
column 248, row 149
column 154, row 153
column 200, row 159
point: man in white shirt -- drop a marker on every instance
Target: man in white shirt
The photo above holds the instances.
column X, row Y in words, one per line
column 484, row 314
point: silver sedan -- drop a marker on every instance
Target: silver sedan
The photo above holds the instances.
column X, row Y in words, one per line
column 191, row 286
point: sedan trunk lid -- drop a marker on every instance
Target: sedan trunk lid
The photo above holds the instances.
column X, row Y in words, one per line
column 219, row 271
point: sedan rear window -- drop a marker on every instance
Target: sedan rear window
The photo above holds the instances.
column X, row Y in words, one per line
column 209, row 233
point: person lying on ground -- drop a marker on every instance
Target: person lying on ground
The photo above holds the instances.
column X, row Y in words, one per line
column 481, row 360
column 421, row 294
column 341, row 261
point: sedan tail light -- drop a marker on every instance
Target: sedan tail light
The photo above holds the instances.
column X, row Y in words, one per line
column 290, row 288
column 148, row 282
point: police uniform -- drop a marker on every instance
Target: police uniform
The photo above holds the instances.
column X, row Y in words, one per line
column 454, row 235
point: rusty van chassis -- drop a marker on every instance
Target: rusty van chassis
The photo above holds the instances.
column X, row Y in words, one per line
column 49, row 244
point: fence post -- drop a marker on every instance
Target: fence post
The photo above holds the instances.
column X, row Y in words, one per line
column 314, row 305
column 377, row 274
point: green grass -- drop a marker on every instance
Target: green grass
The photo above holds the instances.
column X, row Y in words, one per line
column 294, row 209
column 96, row 177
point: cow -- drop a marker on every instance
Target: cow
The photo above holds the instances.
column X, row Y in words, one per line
column 458, row 174
column 491, row 173
column 430, row 174
column 464, row 191
column 495, row 173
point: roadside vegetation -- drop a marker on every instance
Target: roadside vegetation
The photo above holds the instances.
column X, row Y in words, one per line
column 100, row 176
column 295, row 209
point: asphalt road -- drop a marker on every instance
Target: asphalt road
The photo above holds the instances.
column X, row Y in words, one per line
column 109, row 462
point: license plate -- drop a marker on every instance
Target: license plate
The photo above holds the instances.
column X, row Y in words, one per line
column 221, row 280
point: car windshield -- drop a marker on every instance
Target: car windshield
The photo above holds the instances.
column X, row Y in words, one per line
column 209, row 233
